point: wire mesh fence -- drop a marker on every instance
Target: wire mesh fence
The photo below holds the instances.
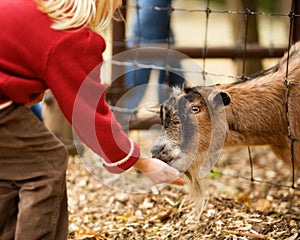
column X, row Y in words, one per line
column 253, row 41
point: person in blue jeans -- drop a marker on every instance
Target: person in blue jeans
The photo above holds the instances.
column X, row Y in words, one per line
column 151, row 25
column 37, row 110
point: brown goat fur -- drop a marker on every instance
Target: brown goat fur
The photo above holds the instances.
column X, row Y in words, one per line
column 199, row 121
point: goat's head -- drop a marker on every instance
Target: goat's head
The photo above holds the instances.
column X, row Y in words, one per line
column 191, row 118
column 193, row 131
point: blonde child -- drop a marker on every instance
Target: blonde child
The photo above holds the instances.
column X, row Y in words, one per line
column 53, row 44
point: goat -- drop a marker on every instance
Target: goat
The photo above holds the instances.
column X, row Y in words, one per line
column 199, row 121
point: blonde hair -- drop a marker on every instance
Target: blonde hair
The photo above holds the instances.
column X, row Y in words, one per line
column 68, row 14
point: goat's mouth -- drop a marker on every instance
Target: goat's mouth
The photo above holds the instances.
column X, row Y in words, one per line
column 164, row 156
column 170, row 160
column 178, row 163
column 173, row 158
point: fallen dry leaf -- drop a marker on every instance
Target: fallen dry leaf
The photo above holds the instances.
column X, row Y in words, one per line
column 263, row 205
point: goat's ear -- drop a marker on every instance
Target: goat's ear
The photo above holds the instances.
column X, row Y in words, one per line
column 187, row 87
column 220, row 98
column 225, row 98
column 187, row 84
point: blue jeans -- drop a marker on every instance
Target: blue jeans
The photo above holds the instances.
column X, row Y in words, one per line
column 37, row 109
column 151, row 26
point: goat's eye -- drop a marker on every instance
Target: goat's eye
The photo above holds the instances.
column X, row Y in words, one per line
column 195, row 109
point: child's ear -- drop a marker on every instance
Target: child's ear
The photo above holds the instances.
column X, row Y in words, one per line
column 219, row 98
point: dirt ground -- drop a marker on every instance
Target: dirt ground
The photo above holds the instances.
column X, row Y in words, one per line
column 238, row 208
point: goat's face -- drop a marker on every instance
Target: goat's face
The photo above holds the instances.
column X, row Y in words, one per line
column 190, row 119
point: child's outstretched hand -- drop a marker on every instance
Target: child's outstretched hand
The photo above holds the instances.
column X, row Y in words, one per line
column 158, row 171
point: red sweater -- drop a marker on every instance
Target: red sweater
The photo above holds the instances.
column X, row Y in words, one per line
column 34, row 57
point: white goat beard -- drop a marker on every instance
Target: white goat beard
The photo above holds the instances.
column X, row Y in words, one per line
column 197, row 189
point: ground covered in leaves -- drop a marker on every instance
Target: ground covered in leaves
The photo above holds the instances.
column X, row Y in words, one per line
column 238, row 208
